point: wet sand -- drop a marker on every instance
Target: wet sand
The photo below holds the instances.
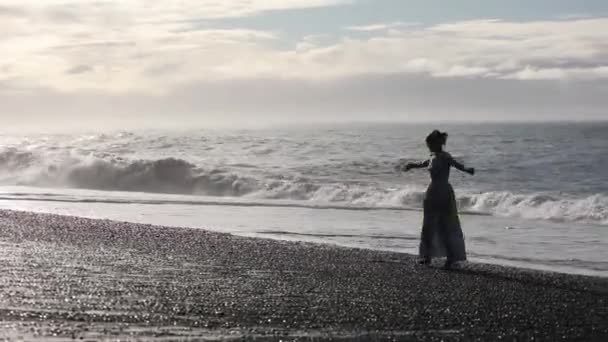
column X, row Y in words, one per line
column 67, row 277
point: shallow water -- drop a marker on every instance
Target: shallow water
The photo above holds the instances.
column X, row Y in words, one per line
column 509, row 241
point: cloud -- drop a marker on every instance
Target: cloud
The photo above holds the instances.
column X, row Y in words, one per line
column 79, row 69
column 118, row 49
column 155, row 47
column 551, row 50
column 11, row 11
column 263, row 101
column 145, row 10
column 379, row 26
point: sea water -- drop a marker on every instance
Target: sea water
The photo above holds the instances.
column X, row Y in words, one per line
column 539, row 197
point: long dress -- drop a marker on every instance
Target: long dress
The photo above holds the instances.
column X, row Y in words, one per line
column 441, row 231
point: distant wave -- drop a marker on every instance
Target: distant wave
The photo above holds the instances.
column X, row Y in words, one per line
column 178, row 176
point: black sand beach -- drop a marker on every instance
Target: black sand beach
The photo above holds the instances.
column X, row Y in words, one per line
column 67, row 277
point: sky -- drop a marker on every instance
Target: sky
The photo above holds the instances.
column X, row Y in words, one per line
column 190, row 63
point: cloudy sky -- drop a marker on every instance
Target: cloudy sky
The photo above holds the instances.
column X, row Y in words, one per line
column 244, row 62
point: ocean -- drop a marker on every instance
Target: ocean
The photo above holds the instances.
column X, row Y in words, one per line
column 539, row 198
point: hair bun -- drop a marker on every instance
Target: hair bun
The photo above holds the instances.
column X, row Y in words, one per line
column 437, row 137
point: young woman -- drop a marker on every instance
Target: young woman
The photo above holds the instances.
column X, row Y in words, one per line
column 441, row 232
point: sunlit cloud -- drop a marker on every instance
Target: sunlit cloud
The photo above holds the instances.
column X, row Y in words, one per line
column 379, row 26
column 154, row 47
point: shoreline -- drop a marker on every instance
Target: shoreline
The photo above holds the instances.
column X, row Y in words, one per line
column 75, row 277
column 490, row 239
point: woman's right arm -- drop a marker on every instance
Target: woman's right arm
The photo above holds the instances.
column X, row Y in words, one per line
column 419, row 165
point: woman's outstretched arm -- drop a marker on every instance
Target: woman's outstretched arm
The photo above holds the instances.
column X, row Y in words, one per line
column 419, row 165
column 461, row 166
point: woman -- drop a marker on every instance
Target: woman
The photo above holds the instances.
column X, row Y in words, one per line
column 441, row 232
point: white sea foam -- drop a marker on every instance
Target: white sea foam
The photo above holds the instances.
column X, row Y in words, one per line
column 178, row 176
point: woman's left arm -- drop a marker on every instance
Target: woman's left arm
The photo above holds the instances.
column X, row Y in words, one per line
column 460, row 166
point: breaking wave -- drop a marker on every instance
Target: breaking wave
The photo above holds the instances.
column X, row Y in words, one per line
column 178, row 176
column 168, row 175
column 592, row 209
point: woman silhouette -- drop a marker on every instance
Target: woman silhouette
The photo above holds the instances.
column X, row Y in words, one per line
column 441, row 232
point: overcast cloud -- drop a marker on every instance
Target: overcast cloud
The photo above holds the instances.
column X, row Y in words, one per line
column 161, row 61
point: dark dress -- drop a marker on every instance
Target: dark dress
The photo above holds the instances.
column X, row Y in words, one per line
column 441, row 232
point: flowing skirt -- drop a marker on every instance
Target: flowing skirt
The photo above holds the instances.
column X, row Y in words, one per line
column 441, row 232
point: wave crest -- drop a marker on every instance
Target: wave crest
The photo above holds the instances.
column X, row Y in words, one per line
column 178, row 176
column 168, row 175
column 539, row 206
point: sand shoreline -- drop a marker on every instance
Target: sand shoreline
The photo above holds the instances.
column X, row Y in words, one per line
column 68, row 277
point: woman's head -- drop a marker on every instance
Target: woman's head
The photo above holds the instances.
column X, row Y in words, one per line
column 436, row 140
